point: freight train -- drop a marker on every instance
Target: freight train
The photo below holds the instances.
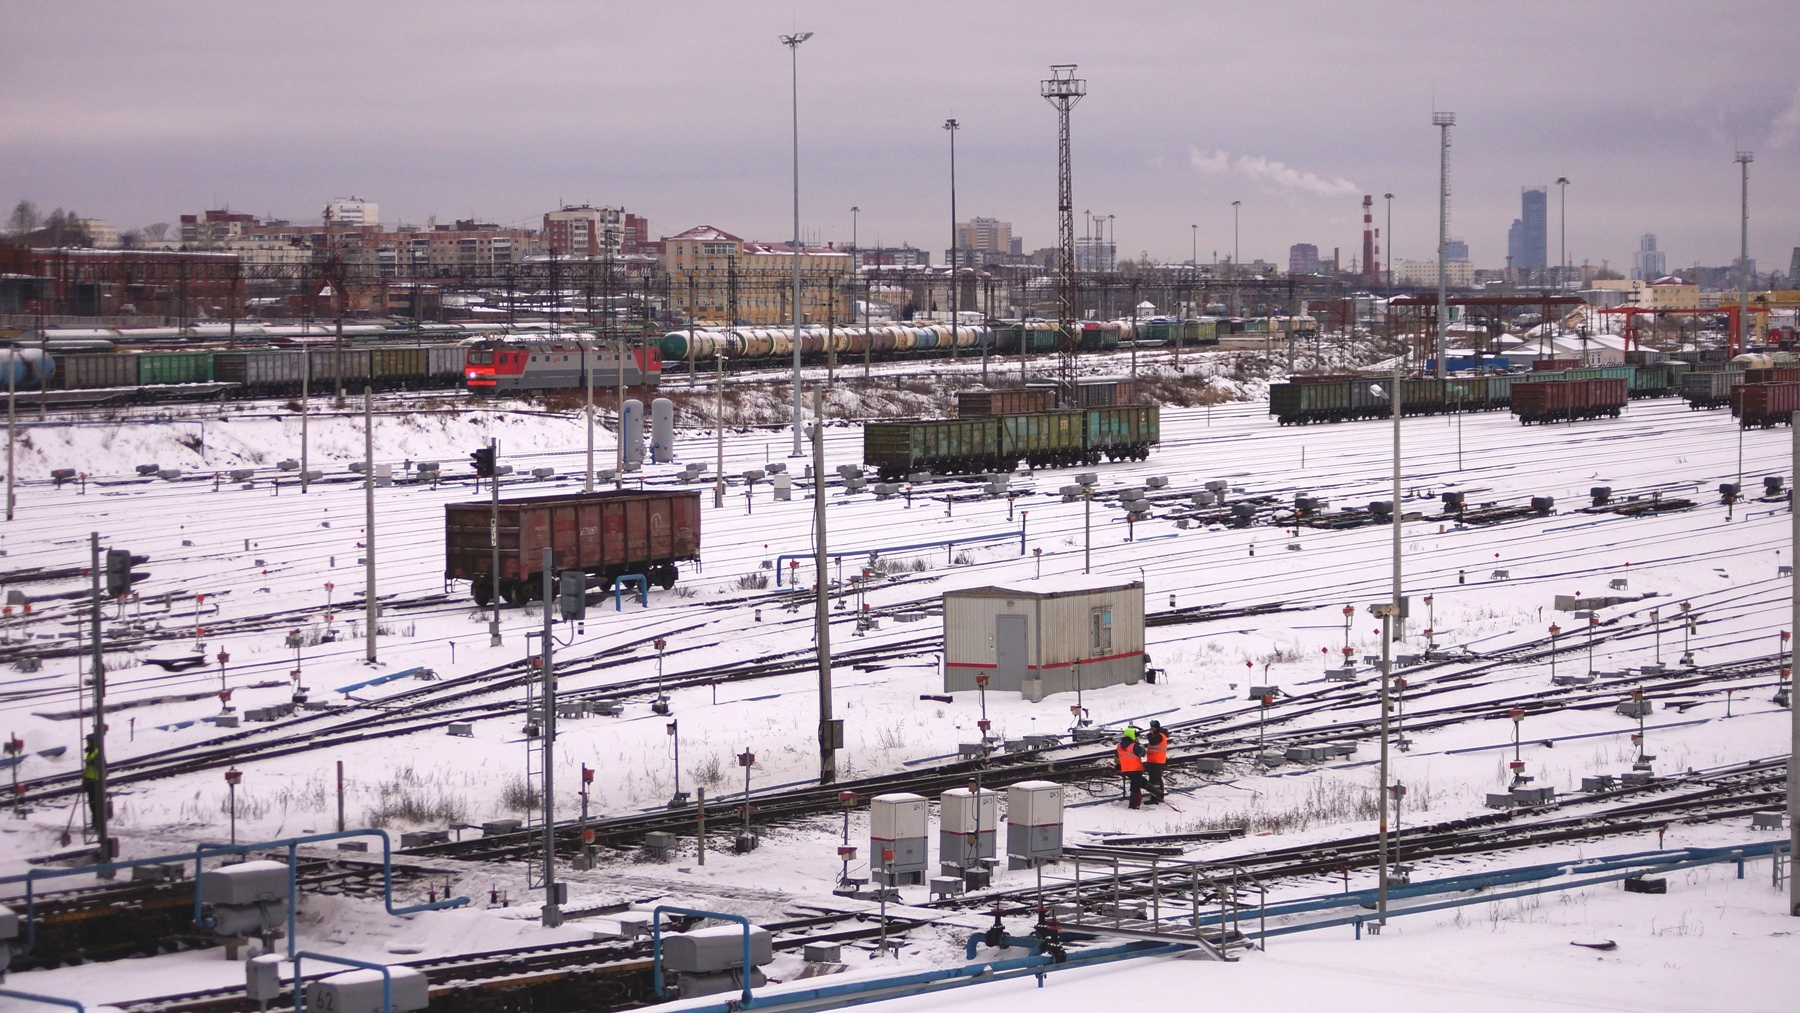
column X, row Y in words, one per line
column 105, row 359
column 1000, row 442
column 1339, row 398
column 263, row 370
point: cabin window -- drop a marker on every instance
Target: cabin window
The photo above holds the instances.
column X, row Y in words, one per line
column 481, row 358
column 1101, row 626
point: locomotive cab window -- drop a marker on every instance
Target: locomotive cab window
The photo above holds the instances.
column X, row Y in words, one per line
column 481, row 358
column 1100, row 625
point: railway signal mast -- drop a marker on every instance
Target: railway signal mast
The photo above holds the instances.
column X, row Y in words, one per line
column 1063, row 90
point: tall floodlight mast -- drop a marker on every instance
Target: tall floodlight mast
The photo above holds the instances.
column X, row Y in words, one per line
column 1063, row 89
column 1443, row 121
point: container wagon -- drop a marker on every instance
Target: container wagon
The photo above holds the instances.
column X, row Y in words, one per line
column 1041, row 439
column 1766, row 404
column 268, row 371
column 1326, row 399
column 604, row 534
column 89, row 370
column 1001, row 442
column 982, row 401
column 174, row 367
column 1709, row 389
column 1102, row 393
column 1122, row 432
column 1569, row 400
column 949, row 446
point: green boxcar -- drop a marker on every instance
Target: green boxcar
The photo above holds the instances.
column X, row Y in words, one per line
column 175, row 367
column 942, row 445
column 1122, row 432
column 1422, row 396
column 1500, row 387
column 398, row 367
column 1044, row 439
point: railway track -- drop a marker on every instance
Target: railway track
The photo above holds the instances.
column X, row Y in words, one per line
column 1726, row 793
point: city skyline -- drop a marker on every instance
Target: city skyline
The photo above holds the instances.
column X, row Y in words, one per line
column 475, row 114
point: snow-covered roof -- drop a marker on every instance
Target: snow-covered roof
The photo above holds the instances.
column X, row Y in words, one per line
column 1044, row 587
column 706, row 233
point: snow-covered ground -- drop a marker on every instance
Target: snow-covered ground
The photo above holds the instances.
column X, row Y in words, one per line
column 254, row 553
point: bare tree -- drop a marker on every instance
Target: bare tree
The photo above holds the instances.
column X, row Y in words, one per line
column 24, row 218
column 155, row 231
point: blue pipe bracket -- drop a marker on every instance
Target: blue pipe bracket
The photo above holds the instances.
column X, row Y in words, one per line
column 656, row 914
column 13, row 993
column 642, row 594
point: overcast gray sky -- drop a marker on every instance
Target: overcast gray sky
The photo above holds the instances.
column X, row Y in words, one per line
column 137, row 112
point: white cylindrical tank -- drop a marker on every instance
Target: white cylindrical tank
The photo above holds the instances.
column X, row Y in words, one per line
column 662, row 430
column 631, row 430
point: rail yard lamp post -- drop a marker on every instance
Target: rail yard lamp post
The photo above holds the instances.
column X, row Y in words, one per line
column 1390, row 241
column 1087, row 528
column 1234, row 256
column 1562, row 242
column 793, row 43
column 719, row 437
column 587, row 375
column 951, row 126
column 1793, row 778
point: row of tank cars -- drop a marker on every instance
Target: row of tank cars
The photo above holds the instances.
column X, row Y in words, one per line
column 701, row 345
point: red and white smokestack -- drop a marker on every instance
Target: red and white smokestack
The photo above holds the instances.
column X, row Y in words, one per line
column 1371, row 269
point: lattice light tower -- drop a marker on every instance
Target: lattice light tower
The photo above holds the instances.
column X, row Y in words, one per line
column 1063, row 89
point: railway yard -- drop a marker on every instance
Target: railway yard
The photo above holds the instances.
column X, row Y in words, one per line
column 1587, row 685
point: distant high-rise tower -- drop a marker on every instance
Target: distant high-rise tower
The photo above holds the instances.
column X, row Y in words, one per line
column 1648, row 263
column 1303, row 258
column 1371, row 257
column 1534, row 232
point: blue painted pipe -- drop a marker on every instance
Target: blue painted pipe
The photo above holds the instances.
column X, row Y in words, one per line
column 12, row 993
column 900, row 986
column 656, row 943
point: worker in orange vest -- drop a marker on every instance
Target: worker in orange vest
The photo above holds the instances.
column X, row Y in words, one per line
column 1131, row 766
column 1156, row 757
